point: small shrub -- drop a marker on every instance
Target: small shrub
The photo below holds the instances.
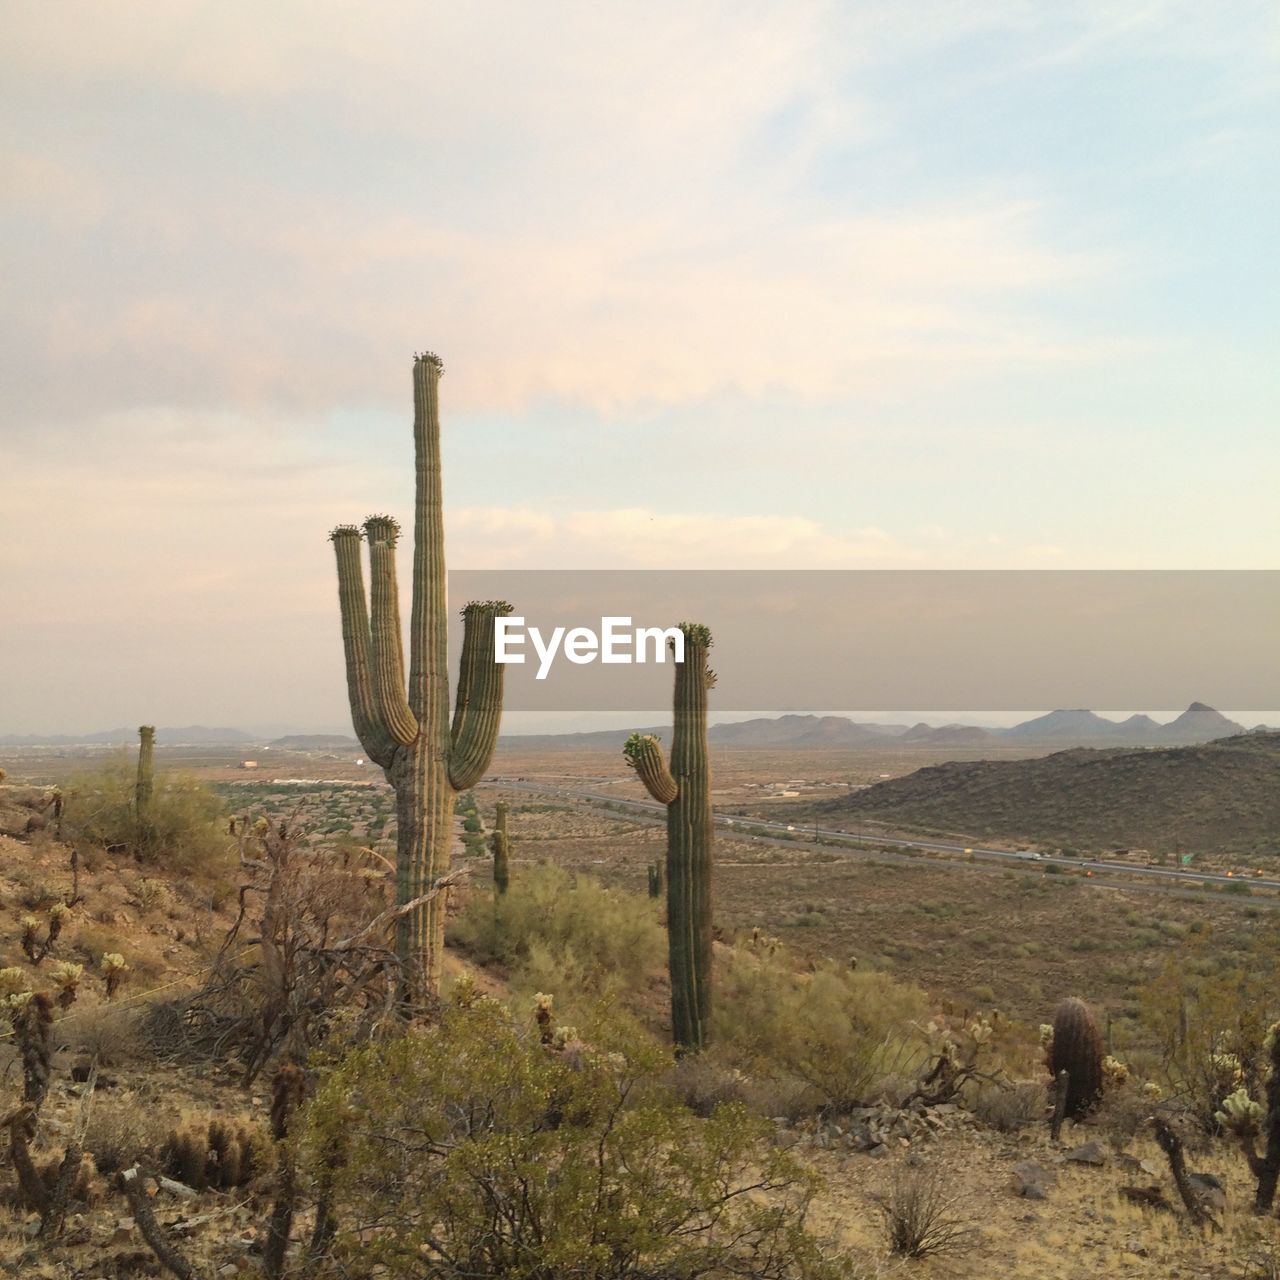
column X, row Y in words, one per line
column 923, row 1214
column 121, row 1132
column 186, row 822
column 470, row 1149
column 561, row 933
column 1012, row 1109
column 842, row 1032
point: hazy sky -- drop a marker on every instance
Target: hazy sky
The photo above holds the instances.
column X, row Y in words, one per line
column 975, row 284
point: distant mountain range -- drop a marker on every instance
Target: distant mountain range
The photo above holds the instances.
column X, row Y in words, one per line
column 187, row 736
column 1219, row 797
column 1198, row 723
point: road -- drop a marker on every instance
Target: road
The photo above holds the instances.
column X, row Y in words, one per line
column 782, row 832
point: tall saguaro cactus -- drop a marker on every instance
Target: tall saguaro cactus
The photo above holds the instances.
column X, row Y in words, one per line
column 145, row 783
column 498, row 841
column 685, row 788
column 404, row 726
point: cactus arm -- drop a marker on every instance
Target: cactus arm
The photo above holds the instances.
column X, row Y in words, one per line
column 374, row 738
column 644, row 755
column 388, row 645
column 478, row 709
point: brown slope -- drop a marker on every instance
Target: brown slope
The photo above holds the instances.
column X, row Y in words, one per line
column 1222, row 797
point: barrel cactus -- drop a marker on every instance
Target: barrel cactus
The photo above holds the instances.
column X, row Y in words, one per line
column 685, row 788
column 404, row 726
column 1077, row 1049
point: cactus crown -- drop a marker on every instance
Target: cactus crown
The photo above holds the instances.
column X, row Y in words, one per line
column 637, row 744
column 696, row 633
column 382, row 528
column 428, row 357
column 345, row 531
column 499, row 608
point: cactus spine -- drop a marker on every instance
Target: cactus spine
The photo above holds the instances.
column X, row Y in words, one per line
column 685, row 788
column 404, row 726
column 498, row 842
column 1077, row 1050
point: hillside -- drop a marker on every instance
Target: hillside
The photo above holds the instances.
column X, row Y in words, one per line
column 1222, row 797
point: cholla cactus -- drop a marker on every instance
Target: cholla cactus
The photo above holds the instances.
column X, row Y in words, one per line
column 563, row 1036
column 1240, row 1115
column 542, row 1003
column 66, row 977
column 1228, row 1072
column 1114, row 1072
column 114, row 972
column 13, row 982
column 35, row 949
column 30, row 937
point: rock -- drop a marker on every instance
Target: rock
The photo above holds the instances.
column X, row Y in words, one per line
column 1032, row 1180
column 1213, row 1195
column 123, row 1232
column 878, row 1150
column 1090, row 1153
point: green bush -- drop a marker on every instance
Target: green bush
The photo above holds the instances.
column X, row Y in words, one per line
column 564, row 934
column 468, row 1149
column 186, row 824
column 848, row 1034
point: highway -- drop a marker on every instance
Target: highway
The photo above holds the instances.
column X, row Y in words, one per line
column 782, row 832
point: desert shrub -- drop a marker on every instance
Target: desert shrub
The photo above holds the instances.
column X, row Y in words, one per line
column 468, row 1148
column 564, row 933
column 923, row 1213
column 186, row 824
column 1211, row 1028
column 845, row 1033
column 111, row 1036
column 1008, row 1110
column 704, row 1081
column 122, row 1131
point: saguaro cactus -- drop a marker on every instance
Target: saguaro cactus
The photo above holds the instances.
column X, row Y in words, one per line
column 498, row 842
column 685, row 788
column 405, row 727
column 1078, row 1050
column 145, row 784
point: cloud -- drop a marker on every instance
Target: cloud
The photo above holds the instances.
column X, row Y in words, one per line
column 639, row 538
column 600, row 210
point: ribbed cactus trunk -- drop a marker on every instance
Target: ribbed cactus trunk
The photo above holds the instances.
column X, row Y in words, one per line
column 685, row 788
column 498, row 841
column 145, row 783
column 404, row 725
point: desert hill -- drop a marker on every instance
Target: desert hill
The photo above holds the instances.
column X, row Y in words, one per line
column 1198, row 723
column 1219, row 797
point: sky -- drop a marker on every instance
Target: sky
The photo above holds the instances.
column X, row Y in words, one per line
column 717, row 285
